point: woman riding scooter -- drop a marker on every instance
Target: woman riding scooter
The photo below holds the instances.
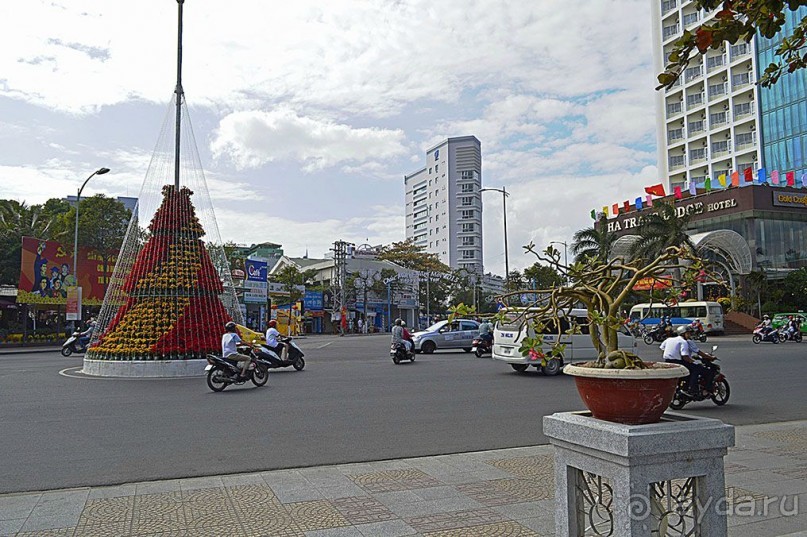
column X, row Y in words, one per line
column 273, row 344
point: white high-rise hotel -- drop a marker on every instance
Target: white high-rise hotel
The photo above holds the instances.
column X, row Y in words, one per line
column 708, row 121
column 444, row 205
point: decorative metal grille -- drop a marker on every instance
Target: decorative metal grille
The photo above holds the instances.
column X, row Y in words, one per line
column 670, row 510
column 594, row 498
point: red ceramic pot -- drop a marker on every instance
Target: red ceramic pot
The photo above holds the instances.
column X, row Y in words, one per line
column 630, row 396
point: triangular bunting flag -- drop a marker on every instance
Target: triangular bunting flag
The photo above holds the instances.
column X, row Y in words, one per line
column 649, row 199
column 775, row 177
column 804, row 180
column 693, row 189
column 748, row 175
column 626, row 205
column 615, row 208
column 593, row 214
column 708, row 184
column 735, row 178
column 605, row 211
column 722, row 180
column 638, row 203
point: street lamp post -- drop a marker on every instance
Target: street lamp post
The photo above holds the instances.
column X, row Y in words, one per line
column 565, row 257
column 504, row 194
column 99, row 171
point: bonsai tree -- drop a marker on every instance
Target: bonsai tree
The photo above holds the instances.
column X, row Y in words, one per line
column 601, row 287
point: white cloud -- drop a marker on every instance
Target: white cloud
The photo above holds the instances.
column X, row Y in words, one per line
column 252, row 139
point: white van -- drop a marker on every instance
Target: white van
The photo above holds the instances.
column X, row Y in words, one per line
column 507, row 338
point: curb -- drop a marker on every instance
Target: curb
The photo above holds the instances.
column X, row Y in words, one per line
column 28, row 350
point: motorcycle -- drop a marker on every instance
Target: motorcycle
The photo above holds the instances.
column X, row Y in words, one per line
column 698, row 332
column 784, row 335
column 221, row 372
column 294, row 355
column 73, row 344
column 760, row 335
column 399, row 353
column 658, row 334
column 481, row 346
column 719, row 394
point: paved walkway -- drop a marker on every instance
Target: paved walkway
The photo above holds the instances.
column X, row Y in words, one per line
column 505, row 492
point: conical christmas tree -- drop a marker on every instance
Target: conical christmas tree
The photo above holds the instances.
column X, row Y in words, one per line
column 172, row 308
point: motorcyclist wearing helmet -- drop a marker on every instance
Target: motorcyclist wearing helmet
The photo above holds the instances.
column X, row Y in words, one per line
column 84, row 337
column 272, row 340
column 229, row 347
column 398, row 335
column 677, row 350
column 407, row 337
column 766, row 325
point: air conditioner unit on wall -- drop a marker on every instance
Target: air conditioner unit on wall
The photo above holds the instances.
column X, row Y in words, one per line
column 753, row 127
column 725, row 107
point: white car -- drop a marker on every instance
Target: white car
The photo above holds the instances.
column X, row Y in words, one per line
column 459, row 334
column 507, row 338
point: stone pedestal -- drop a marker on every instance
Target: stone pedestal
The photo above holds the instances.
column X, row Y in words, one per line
column 664, row 478
column 144, row 368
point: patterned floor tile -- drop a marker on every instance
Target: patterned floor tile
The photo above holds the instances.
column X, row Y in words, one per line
column 455, row 520
column 541, row 467
column 249, row 497
column 394, row 480
column 159, row 522
column 60, row 532
column 112, row 529
column 362, row 509
column 498, row 529
column 264, row 521
column 504, row 491
column 793, row 435
column 108, row 511
column 316, row 515
column 200, row 516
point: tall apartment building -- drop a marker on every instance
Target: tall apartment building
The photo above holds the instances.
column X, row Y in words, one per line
column 783, row 108
column 444, row 205
column 708, row 121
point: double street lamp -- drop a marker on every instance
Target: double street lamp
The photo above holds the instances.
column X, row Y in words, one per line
column 504, row 194
column 99, row 171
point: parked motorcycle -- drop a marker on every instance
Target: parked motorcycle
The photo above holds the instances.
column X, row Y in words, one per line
column 698, row 333
column 719, row 394
column 221, row 372
column 760, row 335
column 294, row 355
column 398, row 353
column 658, row 334
column 73, row 344
column 785, row 335
column 481, row 346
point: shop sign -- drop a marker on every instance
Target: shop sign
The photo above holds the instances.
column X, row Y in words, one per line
column 313, row 300
column 73, row 308
column 255, row 286
column 280, row 289
column 681, row 210
column 789, row 199
column 648, row 284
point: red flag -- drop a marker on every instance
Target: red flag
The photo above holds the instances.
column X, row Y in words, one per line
column 616, row 209
column 749, row 175
column 677, row 192
column 626, row 205
column 791, row 178
column 656, row 190
column 735, row 178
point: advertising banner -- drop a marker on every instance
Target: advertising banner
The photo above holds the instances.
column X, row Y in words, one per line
column 648, row 284
column 255, row 285
column 73, row 304
column 46, row 272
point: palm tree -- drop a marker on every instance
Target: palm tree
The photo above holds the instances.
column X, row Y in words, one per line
column 661, row 229
column 594, row 242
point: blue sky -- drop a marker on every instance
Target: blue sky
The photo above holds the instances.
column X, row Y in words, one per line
column 308, row 114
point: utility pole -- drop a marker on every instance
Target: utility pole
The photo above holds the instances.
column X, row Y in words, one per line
column 180, row 94
column 338, row 282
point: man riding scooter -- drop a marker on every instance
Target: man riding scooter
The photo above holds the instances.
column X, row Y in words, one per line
column 272, row 343
column 679, row 350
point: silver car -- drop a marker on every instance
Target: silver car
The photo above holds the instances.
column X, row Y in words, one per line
column 459, row 334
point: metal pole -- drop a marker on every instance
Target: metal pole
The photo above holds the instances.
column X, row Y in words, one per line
column 100, row 171
column 428, row 277
column 389, row 307
column 179, row 94
column 504, row 215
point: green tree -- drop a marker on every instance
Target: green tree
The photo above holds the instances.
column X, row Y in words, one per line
column 661, row 229
column 514, row 281
column 18, row 220
column 595, row 242
column 540, row 276
column 290, row 277
column 740, row 20
column 408, row 255
column 794, row 290
column 102, row 224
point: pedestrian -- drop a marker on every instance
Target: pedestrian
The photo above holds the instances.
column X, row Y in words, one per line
column 361, row 325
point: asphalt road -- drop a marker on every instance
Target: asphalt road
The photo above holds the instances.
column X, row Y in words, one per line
column 350, row 404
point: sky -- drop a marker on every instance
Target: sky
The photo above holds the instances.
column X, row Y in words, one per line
column 307, row 114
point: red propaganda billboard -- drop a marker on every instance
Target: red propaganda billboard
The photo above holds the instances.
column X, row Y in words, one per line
column 46, row 272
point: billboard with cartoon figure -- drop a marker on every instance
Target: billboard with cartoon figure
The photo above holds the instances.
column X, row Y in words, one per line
column 47, row 271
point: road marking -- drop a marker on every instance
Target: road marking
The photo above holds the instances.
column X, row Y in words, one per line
column 70, row 372
column 325, row 345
